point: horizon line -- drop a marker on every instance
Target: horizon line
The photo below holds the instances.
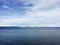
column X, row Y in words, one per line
column 29, row 26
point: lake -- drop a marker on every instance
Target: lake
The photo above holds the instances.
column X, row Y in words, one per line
column 29, row 36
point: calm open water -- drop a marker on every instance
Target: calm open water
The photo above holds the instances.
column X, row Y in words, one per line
column 29, row 37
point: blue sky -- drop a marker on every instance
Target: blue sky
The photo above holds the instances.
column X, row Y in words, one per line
column 41, row 13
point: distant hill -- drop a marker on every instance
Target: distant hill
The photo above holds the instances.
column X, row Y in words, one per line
column 31, row 28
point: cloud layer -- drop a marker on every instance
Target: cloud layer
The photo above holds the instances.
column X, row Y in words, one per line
column 40, row 13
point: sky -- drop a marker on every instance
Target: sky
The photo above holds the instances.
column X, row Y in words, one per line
column 35, row 13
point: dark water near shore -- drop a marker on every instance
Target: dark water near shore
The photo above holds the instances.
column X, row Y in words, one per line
column 29, row 36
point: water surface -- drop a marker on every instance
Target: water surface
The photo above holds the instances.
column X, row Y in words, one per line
column 29, row 36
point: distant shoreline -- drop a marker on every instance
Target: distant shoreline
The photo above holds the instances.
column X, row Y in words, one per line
column 31, row 28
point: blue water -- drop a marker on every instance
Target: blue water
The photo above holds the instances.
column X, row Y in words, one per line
column 29, row 36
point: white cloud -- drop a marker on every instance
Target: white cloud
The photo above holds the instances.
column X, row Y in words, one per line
column 43, row 13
